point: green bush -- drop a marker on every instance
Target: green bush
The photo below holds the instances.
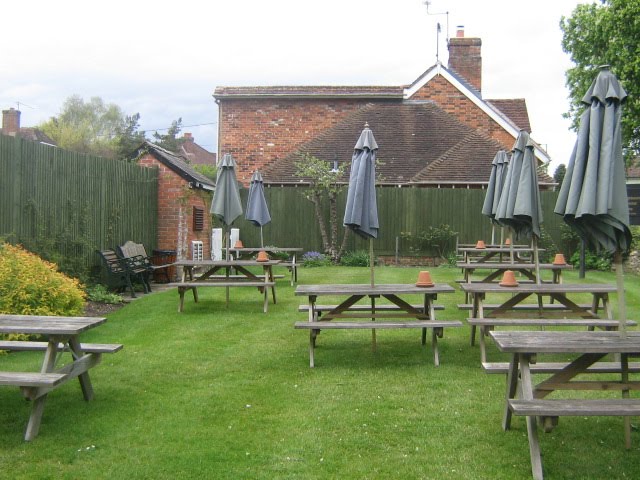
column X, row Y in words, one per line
column 438, row 240
column 359, row 258
column 593, row 261
column 32, row 286
column 100, row 293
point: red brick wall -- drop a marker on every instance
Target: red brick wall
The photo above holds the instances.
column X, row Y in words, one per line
column 174, row 194
column 452, row 101
column 258, row 131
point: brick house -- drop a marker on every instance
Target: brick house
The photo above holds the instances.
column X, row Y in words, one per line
column 438, row 131
column 184, row 199
column 11, row 126
column 194, row 153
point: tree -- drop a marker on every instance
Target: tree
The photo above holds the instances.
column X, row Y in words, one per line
column 324, row 186
column 559, row 174
column 93, row 127
column 605, row 34
column 170, row 141
column 129, row 137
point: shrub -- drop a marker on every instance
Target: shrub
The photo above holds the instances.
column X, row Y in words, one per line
column 315, row 259
column 100, row 293
column 593, row 261
column 359, row 258
column 438, row 240
column 32, row 286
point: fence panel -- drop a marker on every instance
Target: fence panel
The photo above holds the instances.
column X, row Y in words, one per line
column 77, row 202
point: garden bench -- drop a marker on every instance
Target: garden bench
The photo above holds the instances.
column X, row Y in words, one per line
column 525, row 306
column 121, row 273
column 137, row 258
column 31, row 379
column 487, row 324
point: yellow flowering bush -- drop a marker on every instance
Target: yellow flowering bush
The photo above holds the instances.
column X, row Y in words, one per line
column 32, row 286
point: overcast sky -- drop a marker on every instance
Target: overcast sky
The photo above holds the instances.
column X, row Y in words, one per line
column 164, row 59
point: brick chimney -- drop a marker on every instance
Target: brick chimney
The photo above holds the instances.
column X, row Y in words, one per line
column 187, row 137
column 465, row 58
column 11, row 122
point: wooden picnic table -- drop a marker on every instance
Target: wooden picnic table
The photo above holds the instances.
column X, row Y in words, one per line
column 62, row 336
column 209, row 277
column 588, row 348
column 291, row 263
column 558, row 293
column 353, row 315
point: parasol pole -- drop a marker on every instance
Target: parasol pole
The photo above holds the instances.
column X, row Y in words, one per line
column 536, row 257
column 261, row 238
column 371, row 259
column 622, row 307
column 493, row 234
column 511, row 245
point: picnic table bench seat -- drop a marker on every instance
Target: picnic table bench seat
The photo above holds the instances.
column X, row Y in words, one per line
column 617, row 407
column 362, row 307
column 524, row 306
column 23, row 346
column 31, row 379
column 437, row 327
column 555, row 367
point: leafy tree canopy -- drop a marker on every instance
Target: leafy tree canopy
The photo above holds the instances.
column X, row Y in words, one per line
column 170, row 141
column 560, row 172
column 605, row 33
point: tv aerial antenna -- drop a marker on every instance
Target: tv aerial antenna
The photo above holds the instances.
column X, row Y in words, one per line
column 22, row 103
column 427, row 3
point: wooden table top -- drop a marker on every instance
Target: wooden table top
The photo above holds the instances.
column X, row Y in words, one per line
column 566, row 341
column 47, row 325
column 539, row 288
column 366, row 289
column 224, row 263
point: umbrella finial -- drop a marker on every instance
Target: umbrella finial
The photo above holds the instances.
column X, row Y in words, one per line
column 366, row 124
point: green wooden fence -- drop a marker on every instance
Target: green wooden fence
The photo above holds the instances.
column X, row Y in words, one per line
column 76, row 202
column 400, row 210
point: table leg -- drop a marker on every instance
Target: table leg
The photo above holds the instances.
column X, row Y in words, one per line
column 38, row 404
column 268, row 276
column 512, row 386
column 532, row 427
column 373, row 319
column 624, row 366
column 85, row 381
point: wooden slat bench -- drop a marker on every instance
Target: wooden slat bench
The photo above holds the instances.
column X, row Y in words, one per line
column 193, row 286
column 362, row 307
column 487, row 324
column 31, row 379
column 525, row 306
column 315, row 327
column 617, row 407
column 20, row 346
column 555, row 367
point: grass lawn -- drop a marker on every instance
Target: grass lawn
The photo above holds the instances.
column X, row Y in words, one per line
column 227, row 393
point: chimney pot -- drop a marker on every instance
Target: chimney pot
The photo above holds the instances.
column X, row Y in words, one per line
column 460, row 31
column 188, row 136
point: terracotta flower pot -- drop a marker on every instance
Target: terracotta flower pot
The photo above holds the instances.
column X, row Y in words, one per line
column 262, row 256
column 424, row 279
column 480, row 244
column 507, row 242
column 509, row 279
column 559, row 259
column 238, row 244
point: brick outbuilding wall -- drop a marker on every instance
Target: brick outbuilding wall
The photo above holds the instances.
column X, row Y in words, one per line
column 175, row 195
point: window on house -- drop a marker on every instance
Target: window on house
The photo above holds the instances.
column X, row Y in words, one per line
column 198, row 219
